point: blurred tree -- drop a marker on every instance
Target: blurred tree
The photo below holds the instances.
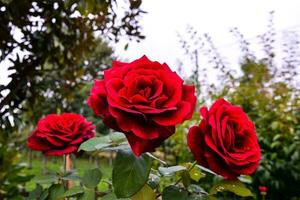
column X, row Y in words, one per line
column 47, row 40
column 55, row 49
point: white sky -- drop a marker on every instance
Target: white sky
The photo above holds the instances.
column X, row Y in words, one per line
column 165, row 18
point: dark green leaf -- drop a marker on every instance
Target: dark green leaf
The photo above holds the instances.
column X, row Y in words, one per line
column 73, row 191
column 71, row 177
column 112, row 196
column 88, row 195
column 44, row 195
column 91, row 178
column 153, row 181
column 36, row 193
column 174, row 193
column 130, row 173
column 193, row 188
column 46, row 179
column 185, row 178
column 56, row 191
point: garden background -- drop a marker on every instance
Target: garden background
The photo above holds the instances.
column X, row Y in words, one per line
column 51, row 51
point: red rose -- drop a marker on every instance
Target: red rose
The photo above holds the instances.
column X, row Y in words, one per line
column 225, row 141
column 56, row 135
column 263, row 189
column 144, row 100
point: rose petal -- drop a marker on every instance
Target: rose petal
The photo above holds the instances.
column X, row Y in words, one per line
column 116, row 64
column 151, row 110
column 59, row 152
column 140, row 146
column 188, row 95
column 195, row 141
column 173, row 117
column 37, row 143
column 135, row 124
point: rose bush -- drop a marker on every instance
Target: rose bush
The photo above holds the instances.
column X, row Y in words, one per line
column 225, row 141
column 144, row 100
column 56, row 135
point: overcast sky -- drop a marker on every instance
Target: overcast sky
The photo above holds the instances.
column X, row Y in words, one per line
column 166, row 18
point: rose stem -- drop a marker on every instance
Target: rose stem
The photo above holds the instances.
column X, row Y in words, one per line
column 68, row 167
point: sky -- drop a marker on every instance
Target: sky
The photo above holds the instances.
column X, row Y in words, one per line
column 168, row 18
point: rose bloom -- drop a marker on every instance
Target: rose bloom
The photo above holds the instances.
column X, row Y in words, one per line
column 263, row 189
column 56, row 135
column 225, row 141
column 144, row 100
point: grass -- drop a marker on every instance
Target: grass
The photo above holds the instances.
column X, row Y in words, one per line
column 39, row 168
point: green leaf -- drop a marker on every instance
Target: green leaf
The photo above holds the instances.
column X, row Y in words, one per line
column 117, row 137
column 130, row 173
column 88, row 195
column 71, row 177
column 44, row 195
column 146, row 193
column 103, row 143
column 236, row 187
column 95, row 143
column 122, row 146
column 153, row 181
column 196, row 174
column 56, row 191
column 46, row 179
column 174, row 193
column 196, row 189
column 73, row 191
column 168, row 171
column 110, row 196
column 36, row 193
column 185, row 178
column 91, row 178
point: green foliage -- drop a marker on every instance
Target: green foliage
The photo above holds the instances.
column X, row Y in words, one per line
column 73, row 191
column 146, row 193
column 268, row 91
column 58, row 39
column 91, row 178
column 130, row 173
column 233, row 186
column 105, row 143
column 135, row 178
column 56, row 192
column 174, row 193
column 12, row 174
column 47, row 178
column 55, row 48
column 176, row 146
